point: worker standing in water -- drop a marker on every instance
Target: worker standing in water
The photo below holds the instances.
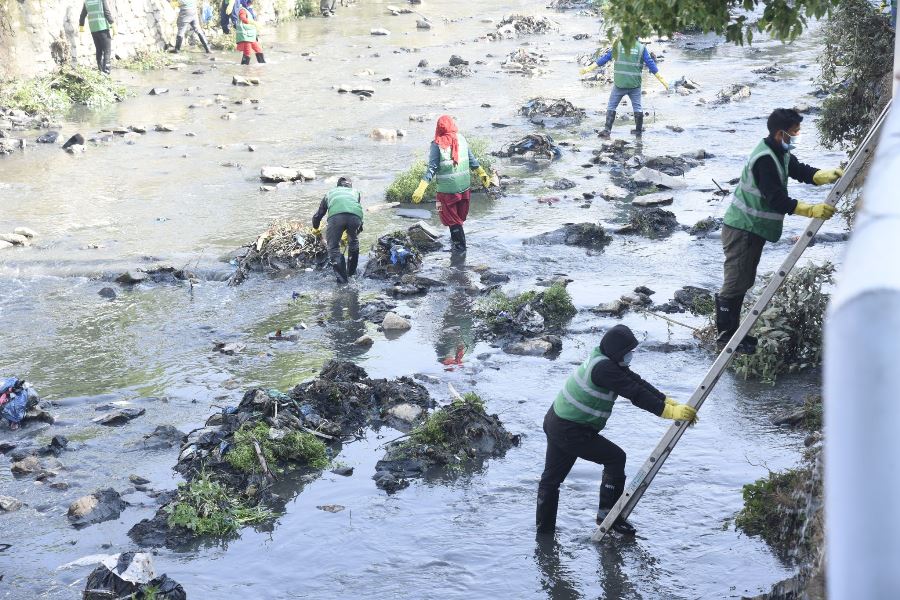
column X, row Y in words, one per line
column 450, row 158
column 246, row 30
column 756, row 215
column 103, row 29
column 345, row 216
column 580, row 412
column 188, row 18
column 627, row 81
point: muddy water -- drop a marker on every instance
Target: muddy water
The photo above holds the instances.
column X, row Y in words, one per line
column 169, row 198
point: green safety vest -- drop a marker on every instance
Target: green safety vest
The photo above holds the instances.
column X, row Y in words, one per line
column 748, row 210
column 583, row 402
column 96, row 19
column 627, row 68
column 245, row 32
column 343, row 200
column 454, row 179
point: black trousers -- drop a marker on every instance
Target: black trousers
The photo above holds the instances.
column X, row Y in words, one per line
column 742, row 253
column 103, row 46
column 568, row 441
column 337, row 225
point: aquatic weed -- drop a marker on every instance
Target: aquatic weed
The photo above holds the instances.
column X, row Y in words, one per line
column 296, row 446
column 555, row 305
column 147, row 60
column 56, row 92
column 207, row 507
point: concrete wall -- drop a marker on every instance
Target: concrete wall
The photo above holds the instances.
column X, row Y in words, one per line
column 36, row 35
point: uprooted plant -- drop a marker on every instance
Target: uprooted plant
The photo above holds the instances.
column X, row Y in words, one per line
column 789, row 331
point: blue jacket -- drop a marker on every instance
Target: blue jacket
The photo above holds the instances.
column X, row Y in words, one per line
column 648, row 60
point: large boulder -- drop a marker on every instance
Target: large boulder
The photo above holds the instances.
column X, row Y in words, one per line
column 102, row 505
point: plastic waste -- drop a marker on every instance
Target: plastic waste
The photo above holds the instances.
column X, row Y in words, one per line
column 399, row 254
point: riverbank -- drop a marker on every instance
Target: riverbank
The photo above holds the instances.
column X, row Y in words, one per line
column 191, row 200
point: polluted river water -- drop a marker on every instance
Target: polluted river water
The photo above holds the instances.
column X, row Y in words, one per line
column 190, row 200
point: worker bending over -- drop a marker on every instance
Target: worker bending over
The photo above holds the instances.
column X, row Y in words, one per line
column 345, row 215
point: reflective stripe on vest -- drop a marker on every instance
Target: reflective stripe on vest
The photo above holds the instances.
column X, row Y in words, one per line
column 96, row 19
column 454, row 179
column 627, row 67
column 245, row 32
column 343, row 200
column 748, row 208
column 583, row 402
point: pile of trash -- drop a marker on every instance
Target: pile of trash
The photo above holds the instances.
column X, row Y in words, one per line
column 586, row 235
column 732, row 93
column 130, row 575
column 638, row 299
column 460, row 435
column 531, row 316
column 393, row 255
column 704, row 227
column 532, row 147
column 284, row 245
column 19, row 403
column 552, row 112
column 685, row 86
column 695, row 300
column 231, row 463
column 515, row 25
column 652, row 223
column 457, row 67
column 525, row 62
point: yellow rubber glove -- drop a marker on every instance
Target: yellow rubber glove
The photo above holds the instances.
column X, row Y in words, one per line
column 587, row 69
column 112, row 30
column 671, row 401
column 823, row 176
column 679, row 412
column 484, row 177
column 665, row 83
column 420, row 192
column 317, row 232
column 814, row 211
column 81, row 28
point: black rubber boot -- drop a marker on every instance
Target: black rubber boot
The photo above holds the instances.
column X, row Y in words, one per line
column 460, row 245
column 245, row 60
column 638, row 130
column 203, row 42
column 341, row 270
column 728, row 319
column 178, row 41
column 260, row 58
column 607, row 127
column 610, row 490
column 352, row 262
column 545, row 517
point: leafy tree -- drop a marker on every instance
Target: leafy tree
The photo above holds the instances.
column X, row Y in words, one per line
column 782, row 19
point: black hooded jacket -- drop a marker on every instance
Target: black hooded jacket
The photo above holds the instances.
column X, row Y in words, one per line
column 609, row 374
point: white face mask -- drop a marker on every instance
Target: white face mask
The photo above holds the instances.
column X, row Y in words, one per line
column 626, row 360
column 789, row 142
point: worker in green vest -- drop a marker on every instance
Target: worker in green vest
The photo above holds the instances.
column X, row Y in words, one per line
column 246, row 32
column 449, row 160
column 626, row 82
column 756, row 215
column 580, row 412
column 102, row 30
column 345, row 216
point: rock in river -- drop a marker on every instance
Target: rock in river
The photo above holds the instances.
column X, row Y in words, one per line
column 394, row 322
column 102, row 505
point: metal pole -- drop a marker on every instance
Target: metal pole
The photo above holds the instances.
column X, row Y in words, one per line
column 862, row 391
column 642, row 479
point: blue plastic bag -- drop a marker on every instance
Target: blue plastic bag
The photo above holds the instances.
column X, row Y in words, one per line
column 399, row 254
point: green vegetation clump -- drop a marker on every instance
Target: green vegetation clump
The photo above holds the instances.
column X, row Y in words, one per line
column 813, row 411
column 207, row 507
column 703, row 304
column 790, row 329
column 403, row 186
column 304, row 8
column 856, row 71
column 55, row 93
column 147, row 60
column 436, row 431
column 777, row 509
column 294, row 446
column 554, row 305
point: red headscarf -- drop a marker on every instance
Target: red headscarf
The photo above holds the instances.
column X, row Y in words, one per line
column 445, row 136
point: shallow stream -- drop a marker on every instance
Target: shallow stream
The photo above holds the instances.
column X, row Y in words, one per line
column 168, row 198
